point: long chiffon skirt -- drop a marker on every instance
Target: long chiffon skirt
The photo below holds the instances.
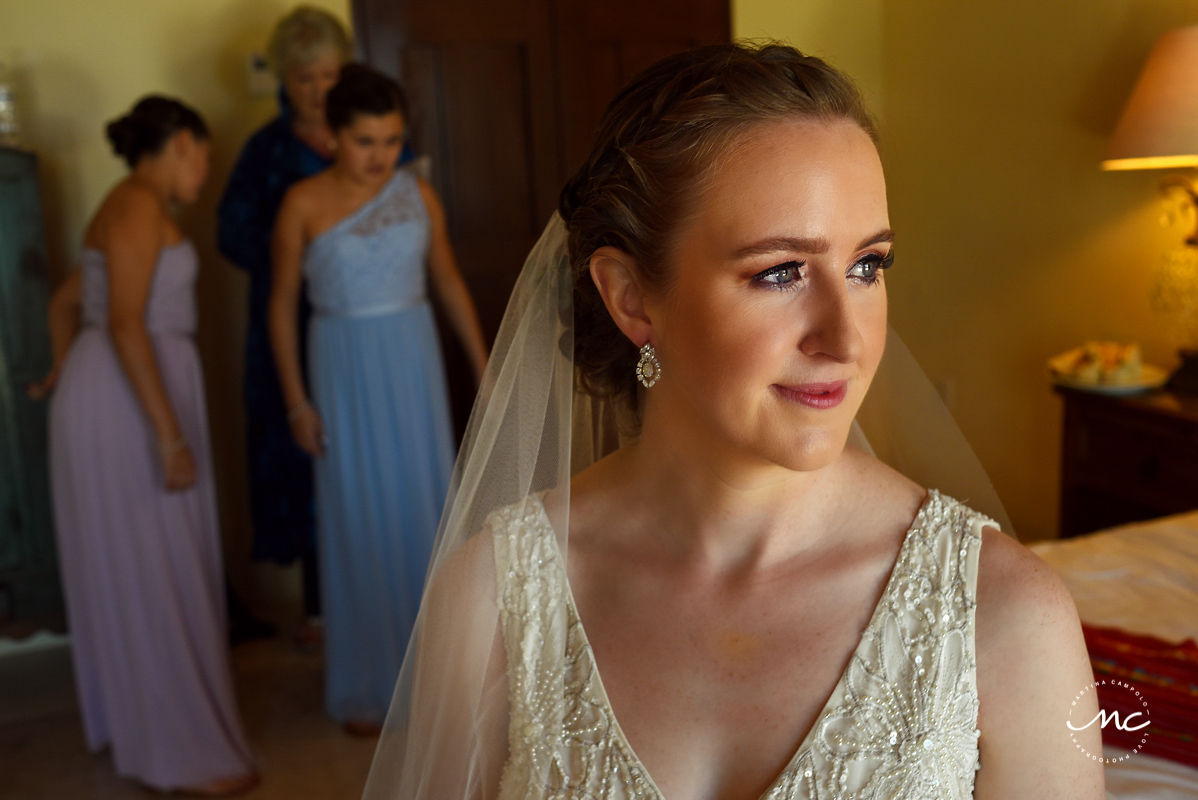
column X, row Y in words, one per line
column 142, row 572
column 379, row 385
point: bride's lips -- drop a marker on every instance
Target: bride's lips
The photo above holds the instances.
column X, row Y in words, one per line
column 815, row 395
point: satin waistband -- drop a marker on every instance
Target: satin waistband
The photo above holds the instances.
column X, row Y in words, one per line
column 369, row 311
column 102, row 328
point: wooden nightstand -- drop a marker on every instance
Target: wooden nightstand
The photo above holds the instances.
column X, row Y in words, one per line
column 1126, row 458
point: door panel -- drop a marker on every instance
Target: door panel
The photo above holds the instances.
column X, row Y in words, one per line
column 506, row 96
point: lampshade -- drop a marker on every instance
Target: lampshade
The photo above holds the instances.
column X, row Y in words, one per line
column 1159, row 125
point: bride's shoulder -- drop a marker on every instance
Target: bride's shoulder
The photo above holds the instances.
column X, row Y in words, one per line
column 1031, row 659
column 508, row 533
column 890, row 491
column 1012, row 581
column 1017, row 592
column 599, row 486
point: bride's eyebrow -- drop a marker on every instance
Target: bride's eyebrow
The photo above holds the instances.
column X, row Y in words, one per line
column 801, row 244
column 881, row 236
column 783, row 244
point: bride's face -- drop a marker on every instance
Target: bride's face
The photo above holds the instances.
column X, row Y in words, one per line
column 775, row 317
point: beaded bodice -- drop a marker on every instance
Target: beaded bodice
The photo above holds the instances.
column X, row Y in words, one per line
column 901, row 723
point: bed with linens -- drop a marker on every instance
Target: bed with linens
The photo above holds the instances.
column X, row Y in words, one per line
column 1136, row 588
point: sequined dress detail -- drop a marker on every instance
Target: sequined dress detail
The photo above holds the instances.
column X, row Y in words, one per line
column 900, row 724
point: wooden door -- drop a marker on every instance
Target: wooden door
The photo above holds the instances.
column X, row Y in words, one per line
column 602, row 45
column 505, row 97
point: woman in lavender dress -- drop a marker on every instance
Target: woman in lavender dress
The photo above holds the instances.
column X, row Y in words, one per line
column 131, row 474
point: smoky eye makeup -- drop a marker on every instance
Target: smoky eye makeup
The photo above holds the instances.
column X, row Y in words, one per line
column 869, row 268
column 780, row 276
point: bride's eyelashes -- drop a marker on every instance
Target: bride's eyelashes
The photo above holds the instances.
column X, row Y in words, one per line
column 869, row 268
column 789, row 274
column 780, row 277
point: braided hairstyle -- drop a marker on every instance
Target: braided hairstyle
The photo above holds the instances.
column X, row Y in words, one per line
column 658, row 140
column 149, row 124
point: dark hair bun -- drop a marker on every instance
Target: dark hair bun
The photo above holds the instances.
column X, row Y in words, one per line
column 362, row 90
column 149, row 124
column 122, row 135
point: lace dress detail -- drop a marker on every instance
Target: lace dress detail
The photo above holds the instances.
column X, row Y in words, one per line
column 901, row 723
column 372, row 261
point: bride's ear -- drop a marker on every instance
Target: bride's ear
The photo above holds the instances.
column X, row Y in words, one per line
column 619, row 283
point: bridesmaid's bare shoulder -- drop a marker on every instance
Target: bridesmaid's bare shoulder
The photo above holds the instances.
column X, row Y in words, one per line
column 128, row 209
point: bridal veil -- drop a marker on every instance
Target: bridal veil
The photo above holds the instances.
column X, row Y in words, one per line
column 447, row 731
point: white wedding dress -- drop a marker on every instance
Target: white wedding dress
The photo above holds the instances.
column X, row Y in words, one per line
column 901, row 723
column 512, row 702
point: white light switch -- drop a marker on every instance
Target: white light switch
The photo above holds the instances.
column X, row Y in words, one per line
column 260, row 80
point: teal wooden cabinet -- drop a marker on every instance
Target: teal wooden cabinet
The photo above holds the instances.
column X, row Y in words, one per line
column 30, row 594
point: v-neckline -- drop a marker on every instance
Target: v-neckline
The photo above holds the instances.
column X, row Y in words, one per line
column 596, row 679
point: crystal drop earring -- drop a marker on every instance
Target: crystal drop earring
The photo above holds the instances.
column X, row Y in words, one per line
column 648, row 368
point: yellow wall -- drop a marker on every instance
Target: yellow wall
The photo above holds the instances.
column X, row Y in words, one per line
column 1012, row 245
column 79, row 64
column 847, row 33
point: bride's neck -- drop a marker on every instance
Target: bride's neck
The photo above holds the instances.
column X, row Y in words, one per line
column 722, row 506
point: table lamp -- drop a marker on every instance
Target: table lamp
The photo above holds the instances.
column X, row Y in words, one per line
column 1158, row 129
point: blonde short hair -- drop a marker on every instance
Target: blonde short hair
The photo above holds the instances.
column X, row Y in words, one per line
column 302, row 35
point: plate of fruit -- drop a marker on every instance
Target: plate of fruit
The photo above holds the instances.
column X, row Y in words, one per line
column 1106, row 368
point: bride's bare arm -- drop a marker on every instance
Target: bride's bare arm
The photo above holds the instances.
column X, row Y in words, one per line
column 1032, row 664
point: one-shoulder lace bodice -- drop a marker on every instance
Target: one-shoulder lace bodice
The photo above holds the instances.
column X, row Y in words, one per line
column 372, row 261
column 170, row 305
column 901, row 723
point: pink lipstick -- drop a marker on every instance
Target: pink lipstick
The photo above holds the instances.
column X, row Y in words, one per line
column 815, row 395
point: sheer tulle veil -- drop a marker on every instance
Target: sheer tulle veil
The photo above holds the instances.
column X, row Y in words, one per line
column 447, row 731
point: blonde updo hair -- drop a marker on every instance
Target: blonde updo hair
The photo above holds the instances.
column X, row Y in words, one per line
column 657, row 142
column 302, row 35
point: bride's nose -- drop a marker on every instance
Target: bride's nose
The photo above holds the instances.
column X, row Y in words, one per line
column 832, row 329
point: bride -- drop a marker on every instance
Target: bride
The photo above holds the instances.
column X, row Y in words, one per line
column 736, row 603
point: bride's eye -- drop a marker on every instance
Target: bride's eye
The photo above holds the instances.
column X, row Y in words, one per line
column 782, row 276
column 868, row 269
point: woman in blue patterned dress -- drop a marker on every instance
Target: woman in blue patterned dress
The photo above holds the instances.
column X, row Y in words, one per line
column 365, row 236
column 307, row 49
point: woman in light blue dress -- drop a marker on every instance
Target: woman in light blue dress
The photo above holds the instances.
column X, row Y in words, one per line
column 367, row 237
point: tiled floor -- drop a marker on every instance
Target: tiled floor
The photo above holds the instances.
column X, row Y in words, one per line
column 302, row 753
